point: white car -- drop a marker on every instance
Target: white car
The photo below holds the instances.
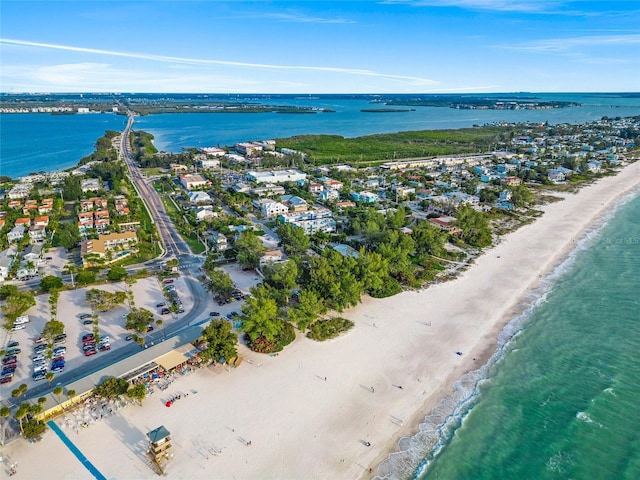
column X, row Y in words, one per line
column 38, row 358
column 18, row 326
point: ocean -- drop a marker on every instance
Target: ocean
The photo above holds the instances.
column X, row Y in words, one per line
column 559, row 399
column 34, row 142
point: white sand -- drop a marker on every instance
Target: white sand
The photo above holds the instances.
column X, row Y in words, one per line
column 303, row 427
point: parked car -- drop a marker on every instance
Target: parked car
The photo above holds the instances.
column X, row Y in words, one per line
column 38, row 340
column 128, row 338
column 38, row 358
column 180, row 310
column 58, row 350
column 6, row 379
column 90, row 352
column 13, row 351
column 9, row 360
column 7, row 369
column 88, row 346
column 162, row 304
column 18, row 326
column 39, row 348
column 82, row 316
column 214, row 314
column 88, row 337
column 164, row 311
column 39, row 376
column 104, row 347
column 61, row 336
column 87, row 322
column 167, row 281
column 59, row 341
column 12, row 343
column 149, row 328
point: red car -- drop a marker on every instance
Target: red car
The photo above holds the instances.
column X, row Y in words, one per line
column 6, row 379
column 9, row 360
column 90, row 352
column 88, row 338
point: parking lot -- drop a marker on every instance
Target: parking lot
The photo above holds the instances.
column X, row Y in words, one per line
column 147, row 293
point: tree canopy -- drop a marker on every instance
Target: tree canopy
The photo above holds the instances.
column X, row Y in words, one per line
column 116, row 273
column 50, row 282
column 102, row 300
column 139, row 319
column 220, row 341
column 250, row 249
column 111, row 387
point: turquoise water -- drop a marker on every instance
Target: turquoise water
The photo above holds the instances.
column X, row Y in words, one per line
column 31, row 142
column 34, row 142
column 561, row 400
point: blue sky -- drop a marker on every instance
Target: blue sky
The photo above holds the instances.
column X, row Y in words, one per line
column 403, row 46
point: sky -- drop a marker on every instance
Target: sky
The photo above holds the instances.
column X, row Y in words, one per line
column 386, row 46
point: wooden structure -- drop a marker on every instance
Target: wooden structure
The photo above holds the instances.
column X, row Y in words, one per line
column 159, row 448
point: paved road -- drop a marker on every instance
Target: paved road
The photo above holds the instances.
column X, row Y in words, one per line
column 175, row 247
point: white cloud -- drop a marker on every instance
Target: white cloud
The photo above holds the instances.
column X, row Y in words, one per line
column 208, row 62
column 297, row 17
column 528, row 6
column 561, row 45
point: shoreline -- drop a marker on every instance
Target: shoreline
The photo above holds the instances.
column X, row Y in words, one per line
column 512, row 317
column 310, row 411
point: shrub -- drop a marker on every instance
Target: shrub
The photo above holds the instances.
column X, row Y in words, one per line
column 329, row 328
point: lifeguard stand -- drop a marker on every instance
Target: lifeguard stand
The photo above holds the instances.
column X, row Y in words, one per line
column 159, row 448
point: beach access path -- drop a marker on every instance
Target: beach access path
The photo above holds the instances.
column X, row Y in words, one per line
column 310, row 411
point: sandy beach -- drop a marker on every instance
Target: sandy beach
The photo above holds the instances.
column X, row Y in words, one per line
column 310, row 411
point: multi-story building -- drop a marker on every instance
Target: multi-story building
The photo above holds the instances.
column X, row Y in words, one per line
column 311, row 222
column 193, row 181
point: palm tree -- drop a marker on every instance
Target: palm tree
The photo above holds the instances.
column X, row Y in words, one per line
column 71, row 394
column 49, row 376
column 71, row 269
column 57, row 392
column 21, row 413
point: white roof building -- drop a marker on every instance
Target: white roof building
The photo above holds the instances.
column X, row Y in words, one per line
column 275, row 176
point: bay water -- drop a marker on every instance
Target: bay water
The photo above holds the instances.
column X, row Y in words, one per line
column 34, row 142
column 560, row 398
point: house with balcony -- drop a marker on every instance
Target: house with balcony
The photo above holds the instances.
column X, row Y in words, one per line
column 311, row 221
column 110, row 247
column 90, row 185
column 37, row 233
column 16, row 234
column 219, row 241
column 270, row 208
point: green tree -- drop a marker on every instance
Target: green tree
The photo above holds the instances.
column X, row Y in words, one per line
column 138, row 392
column 15, row 305
column 475, row 227
column 22, row 412
column 103, row 301
column 66, row 235
column 282, row 277
column 71, row 189
column 71, row 269
column 85, row 277
column 117, row 273
column 521, row 196
column 250, row 249
column 57, row 392
column 112, row 387
column 52, row 329
column 71, row 393
column 293, row 239
column 139, row 319
column 306, row 311
column 220, row 283
column 428, row 239
column 33, row 428
column 220, row 341
column 373, row 271
column 50, row 282
column 50, row 376
column 260, row 315
column 7, row 290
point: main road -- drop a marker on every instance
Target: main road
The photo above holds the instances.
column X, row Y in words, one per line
column 174, row 247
